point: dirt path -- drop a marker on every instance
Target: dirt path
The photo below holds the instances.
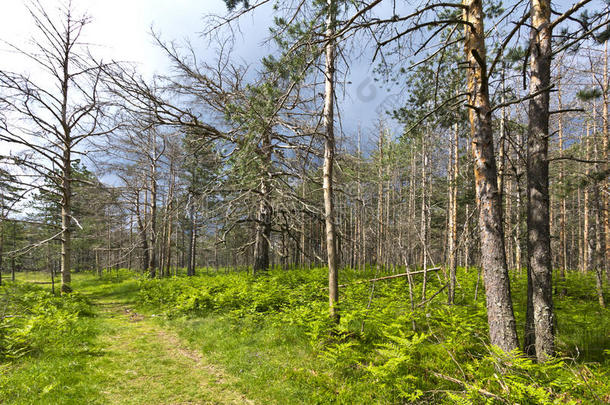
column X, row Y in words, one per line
column 147, row 364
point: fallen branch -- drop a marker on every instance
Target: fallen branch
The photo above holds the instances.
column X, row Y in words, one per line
column 468, row 386
column 391, row 277
column 421, row 304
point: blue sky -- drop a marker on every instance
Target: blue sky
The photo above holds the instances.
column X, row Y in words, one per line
column 120, row 29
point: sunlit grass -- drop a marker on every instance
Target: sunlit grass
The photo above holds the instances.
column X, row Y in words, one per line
column 268, row 339
column 122, row 358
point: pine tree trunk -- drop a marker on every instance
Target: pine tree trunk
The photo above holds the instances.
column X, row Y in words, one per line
column 538, row 218
column 599, row 271
column 589, row 224
column 66, row 205
column 563, row 244
column 596, row 260
column 467, row 241
column 152, row 258
column 510, row 242
column 2, row 221
column 190, row 266
column 606, row 166
column 452, row 242
column 14, row 237
column 265, row 210
column 424, row 217
column 378, row 259
column 303, row 230
column 329, row 156
column 502, row 327
column 519, row 222
column 142, row 234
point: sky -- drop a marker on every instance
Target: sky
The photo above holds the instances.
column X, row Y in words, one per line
column 121, row 30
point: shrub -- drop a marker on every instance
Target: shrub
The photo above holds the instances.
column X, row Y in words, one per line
column 34, row 320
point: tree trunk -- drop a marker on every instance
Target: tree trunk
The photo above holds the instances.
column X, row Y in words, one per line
column 152, row 258
column 168, row 240
column 190, row 270
column 606, row 166
column 378, row 258
column 263, row 230
column 142, row 234
column 2, row 221
column 519, row 222
column 265, row 210
column 66, row 251
column 589, row 224
column 599, row 271
column 502, row 328
column 302, row 241
column 529, row 336
column 424, row 216
column 467, row 241
column 538, row 220
column 452, row 242
column 329, row 156
column 563, row 244
column 13, row 256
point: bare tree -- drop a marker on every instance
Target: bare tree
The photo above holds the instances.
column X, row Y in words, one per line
column 329, row 155
column 58, row 107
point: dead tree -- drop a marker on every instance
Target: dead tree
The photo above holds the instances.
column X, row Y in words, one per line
column 60, row 107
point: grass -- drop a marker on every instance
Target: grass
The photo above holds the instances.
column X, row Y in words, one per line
column 128, row 358
column 271, row 363
column 231, row 338
column 58, row 369
column 274, row 339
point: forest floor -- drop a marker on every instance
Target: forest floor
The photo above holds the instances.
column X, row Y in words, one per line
column 136, row 360
column 229, row 337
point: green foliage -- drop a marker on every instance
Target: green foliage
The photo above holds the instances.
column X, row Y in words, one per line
column 232, row 4
column 237, row 294
column 589, row 94
column 34, row 321
column 375, row 355
column 273, row 333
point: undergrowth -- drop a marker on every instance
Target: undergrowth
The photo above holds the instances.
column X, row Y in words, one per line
column 381, row 351
column 41, row 339
column 33, row 321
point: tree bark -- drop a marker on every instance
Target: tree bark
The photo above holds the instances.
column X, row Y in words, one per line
column 606, row 166
column 452, row 242
column 265, row 210
column 142, row 234
column 424, row 214
column 2, row 221
column 152, row 258
column 589, row 223
column 500, row 317
column 66, row 173
column 14, row 237
column 190, row 270
column 563, row 244
column 538, row 220
column 66, row 241
column 329, row 156
column 380, row 230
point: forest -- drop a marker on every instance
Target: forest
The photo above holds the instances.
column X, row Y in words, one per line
column 309, row 201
